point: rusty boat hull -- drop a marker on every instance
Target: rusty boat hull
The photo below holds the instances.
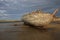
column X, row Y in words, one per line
column 37, row 19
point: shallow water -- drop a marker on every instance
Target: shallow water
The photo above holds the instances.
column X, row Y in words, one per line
column 22, row 32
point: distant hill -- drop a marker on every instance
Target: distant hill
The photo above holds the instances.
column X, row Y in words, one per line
column 2, row 21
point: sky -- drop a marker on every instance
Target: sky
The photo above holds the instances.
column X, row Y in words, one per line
column 14, row 9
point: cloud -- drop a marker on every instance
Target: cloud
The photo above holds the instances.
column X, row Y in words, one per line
column 3, row 14
column 25, row 3
column 2, row 11
column 20, row 4
column 14, row 8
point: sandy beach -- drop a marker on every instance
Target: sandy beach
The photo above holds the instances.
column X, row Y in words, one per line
column 23, row 32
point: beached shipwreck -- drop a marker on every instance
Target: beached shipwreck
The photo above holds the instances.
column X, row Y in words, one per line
column 40, row 19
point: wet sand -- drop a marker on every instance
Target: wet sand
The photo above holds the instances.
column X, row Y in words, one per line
column 24, row 32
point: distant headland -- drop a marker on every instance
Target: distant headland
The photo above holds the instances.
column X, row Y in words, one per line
column 5, row 21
